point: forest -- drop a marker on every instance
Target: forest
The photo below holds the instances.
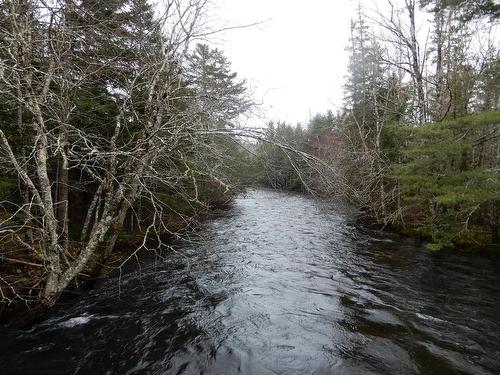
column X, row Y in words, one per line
column 416, row 145
column 120, row 126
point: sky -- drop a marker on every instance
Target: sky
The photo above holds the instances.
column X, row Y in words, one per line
column 294, row 60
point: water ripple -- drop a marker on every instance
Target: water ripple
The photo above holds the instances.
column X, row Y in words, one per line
column 280, row 284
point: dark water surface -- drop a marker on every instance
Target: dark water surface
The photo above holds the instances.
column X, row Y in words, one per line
column 280, row 284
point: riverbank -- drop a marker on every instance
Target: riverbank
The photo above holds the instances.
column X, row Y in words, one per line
column 489, row 250
column 366, row 218
column 22, row 275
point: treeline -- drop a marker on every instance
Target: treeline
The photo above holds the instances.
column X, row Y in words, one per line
column 416, row 144
column 112, row 121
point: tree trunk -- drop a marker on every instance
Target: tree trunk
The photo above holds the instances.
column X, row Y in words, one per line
column 439, row 25
column 416, row 68
column 62, row 196
column 115, row 229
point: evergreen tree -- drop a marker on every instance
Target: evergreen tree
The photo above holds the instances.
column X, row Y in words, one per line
column 220, row 96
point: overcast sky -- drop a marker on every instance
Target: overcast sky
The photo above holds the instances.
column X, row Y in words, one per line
column 295, row 61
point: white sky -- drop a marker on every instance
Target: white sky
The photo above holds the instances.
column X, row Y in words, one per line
column 295, row 62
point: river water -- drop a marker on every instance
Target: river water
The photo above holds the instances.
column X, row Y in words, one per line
column 279, row 284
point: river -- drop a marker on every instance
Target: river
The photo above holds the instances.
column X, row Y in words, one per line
column 279, row 284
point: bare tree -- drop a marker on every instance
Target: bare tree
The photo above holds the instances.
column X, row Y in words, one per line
column 157, row 126
column 400, row 33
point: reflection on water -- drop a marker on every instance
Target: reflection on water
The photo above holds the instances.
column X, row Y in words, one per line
column 281, row 284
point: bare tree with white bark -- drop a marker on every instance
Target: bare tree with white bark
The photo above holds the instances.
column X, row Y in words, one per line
column 155, row 131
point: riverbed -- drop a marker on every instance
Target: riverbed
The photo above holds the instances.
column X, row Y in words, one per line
column 279, row 284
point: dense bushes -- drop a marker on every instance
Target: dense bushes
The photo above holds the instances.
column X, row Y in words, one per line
column 447, row 179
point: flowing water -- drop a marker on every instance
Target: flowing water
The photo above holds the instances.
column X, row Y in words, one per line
column 279, row 284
